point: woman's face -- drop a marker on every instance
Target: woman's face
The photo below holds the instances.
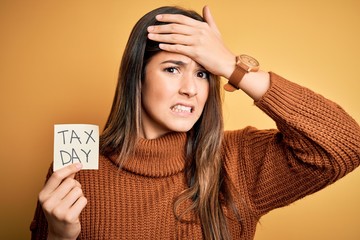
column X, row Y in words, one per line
column 174, row 92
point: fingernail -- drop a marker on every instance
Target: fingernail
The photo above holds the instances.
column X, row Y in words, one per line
column 78, row 165
column 150, row 28
column 158, row 17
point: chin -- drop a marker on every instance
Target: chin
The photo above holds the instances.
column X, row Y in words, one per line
column 183, row 128
column 181, row 125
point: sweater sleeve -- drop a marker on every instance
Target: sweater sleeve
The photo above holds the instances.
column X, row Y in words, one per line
column 316, row 143
column 39, row 226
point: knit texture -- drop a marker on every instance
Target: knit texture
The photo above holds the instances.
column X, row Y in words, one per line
column 315, row 144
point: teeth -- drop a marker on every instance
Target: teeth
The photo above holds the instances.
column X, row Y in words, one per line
column 180, row 108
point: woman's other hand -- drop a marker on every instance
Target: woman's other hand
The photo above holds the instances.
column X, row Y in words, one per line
column 62, row 201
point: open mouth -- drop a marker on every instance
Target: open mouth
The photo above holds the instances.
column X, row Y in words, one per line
column 182, row 109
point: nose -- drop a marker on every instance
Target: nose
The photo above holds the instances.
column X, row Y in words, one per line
column 188, row 86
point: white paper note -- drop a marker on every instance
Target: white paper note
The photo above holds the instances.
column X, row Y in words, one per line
column 75, row 143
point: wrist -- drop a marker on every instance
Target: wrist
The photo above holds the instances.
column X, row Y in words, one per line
column 243, row 65
column 229, row 66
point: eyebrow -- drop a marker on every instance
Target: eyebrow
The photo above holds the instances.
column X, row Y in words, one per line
column 180, row 63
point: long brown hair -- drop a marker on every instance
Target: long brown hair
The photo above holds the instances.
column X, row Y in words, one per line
column 204, row 169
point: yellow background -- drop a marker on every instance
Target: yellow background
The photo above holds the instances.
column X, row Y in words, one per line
column 59, row 62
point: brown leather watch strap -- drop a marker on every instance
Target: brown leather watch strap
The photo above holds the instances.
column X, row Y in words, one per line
column 235, row 79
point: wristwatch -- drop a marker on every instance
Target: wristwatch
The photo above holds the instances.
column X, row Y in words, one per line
column 244, row 64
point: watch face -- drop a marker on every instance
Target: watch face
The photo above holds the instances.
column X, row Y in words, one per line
column 249, row 61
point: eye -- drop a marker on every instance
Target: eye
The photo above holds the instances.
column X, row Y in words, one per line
column 171, row 70
column 203, row 74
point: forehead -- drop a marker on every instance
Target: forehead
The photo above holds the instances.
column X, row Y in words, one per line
column 163, row 57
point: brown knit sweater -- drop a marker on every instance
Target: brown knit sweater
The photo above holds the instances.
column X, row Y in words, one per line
column 316, row 143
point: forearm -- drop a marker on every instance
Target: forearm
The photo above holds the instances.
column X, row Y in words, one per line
column 255, row 84
column 298, row 111
column 317, row 144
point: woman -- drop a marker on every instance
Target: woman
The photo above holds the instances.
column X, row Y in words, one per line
column 168, row 170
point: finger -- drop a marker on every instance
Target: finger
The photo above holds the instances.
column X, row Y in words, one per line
column 65, row 187
column 171, row 38
column 209, row 19
column 171, row 28
column 56, row 197
column 76, row 209
column 177, row 18
column 66, row 207
column 69, row 200
column 78, row 206
column 57, row 177
column 70, row 213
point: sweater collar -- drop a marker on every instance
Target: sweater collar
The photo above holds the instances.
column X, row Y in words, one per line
column 160, row 157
